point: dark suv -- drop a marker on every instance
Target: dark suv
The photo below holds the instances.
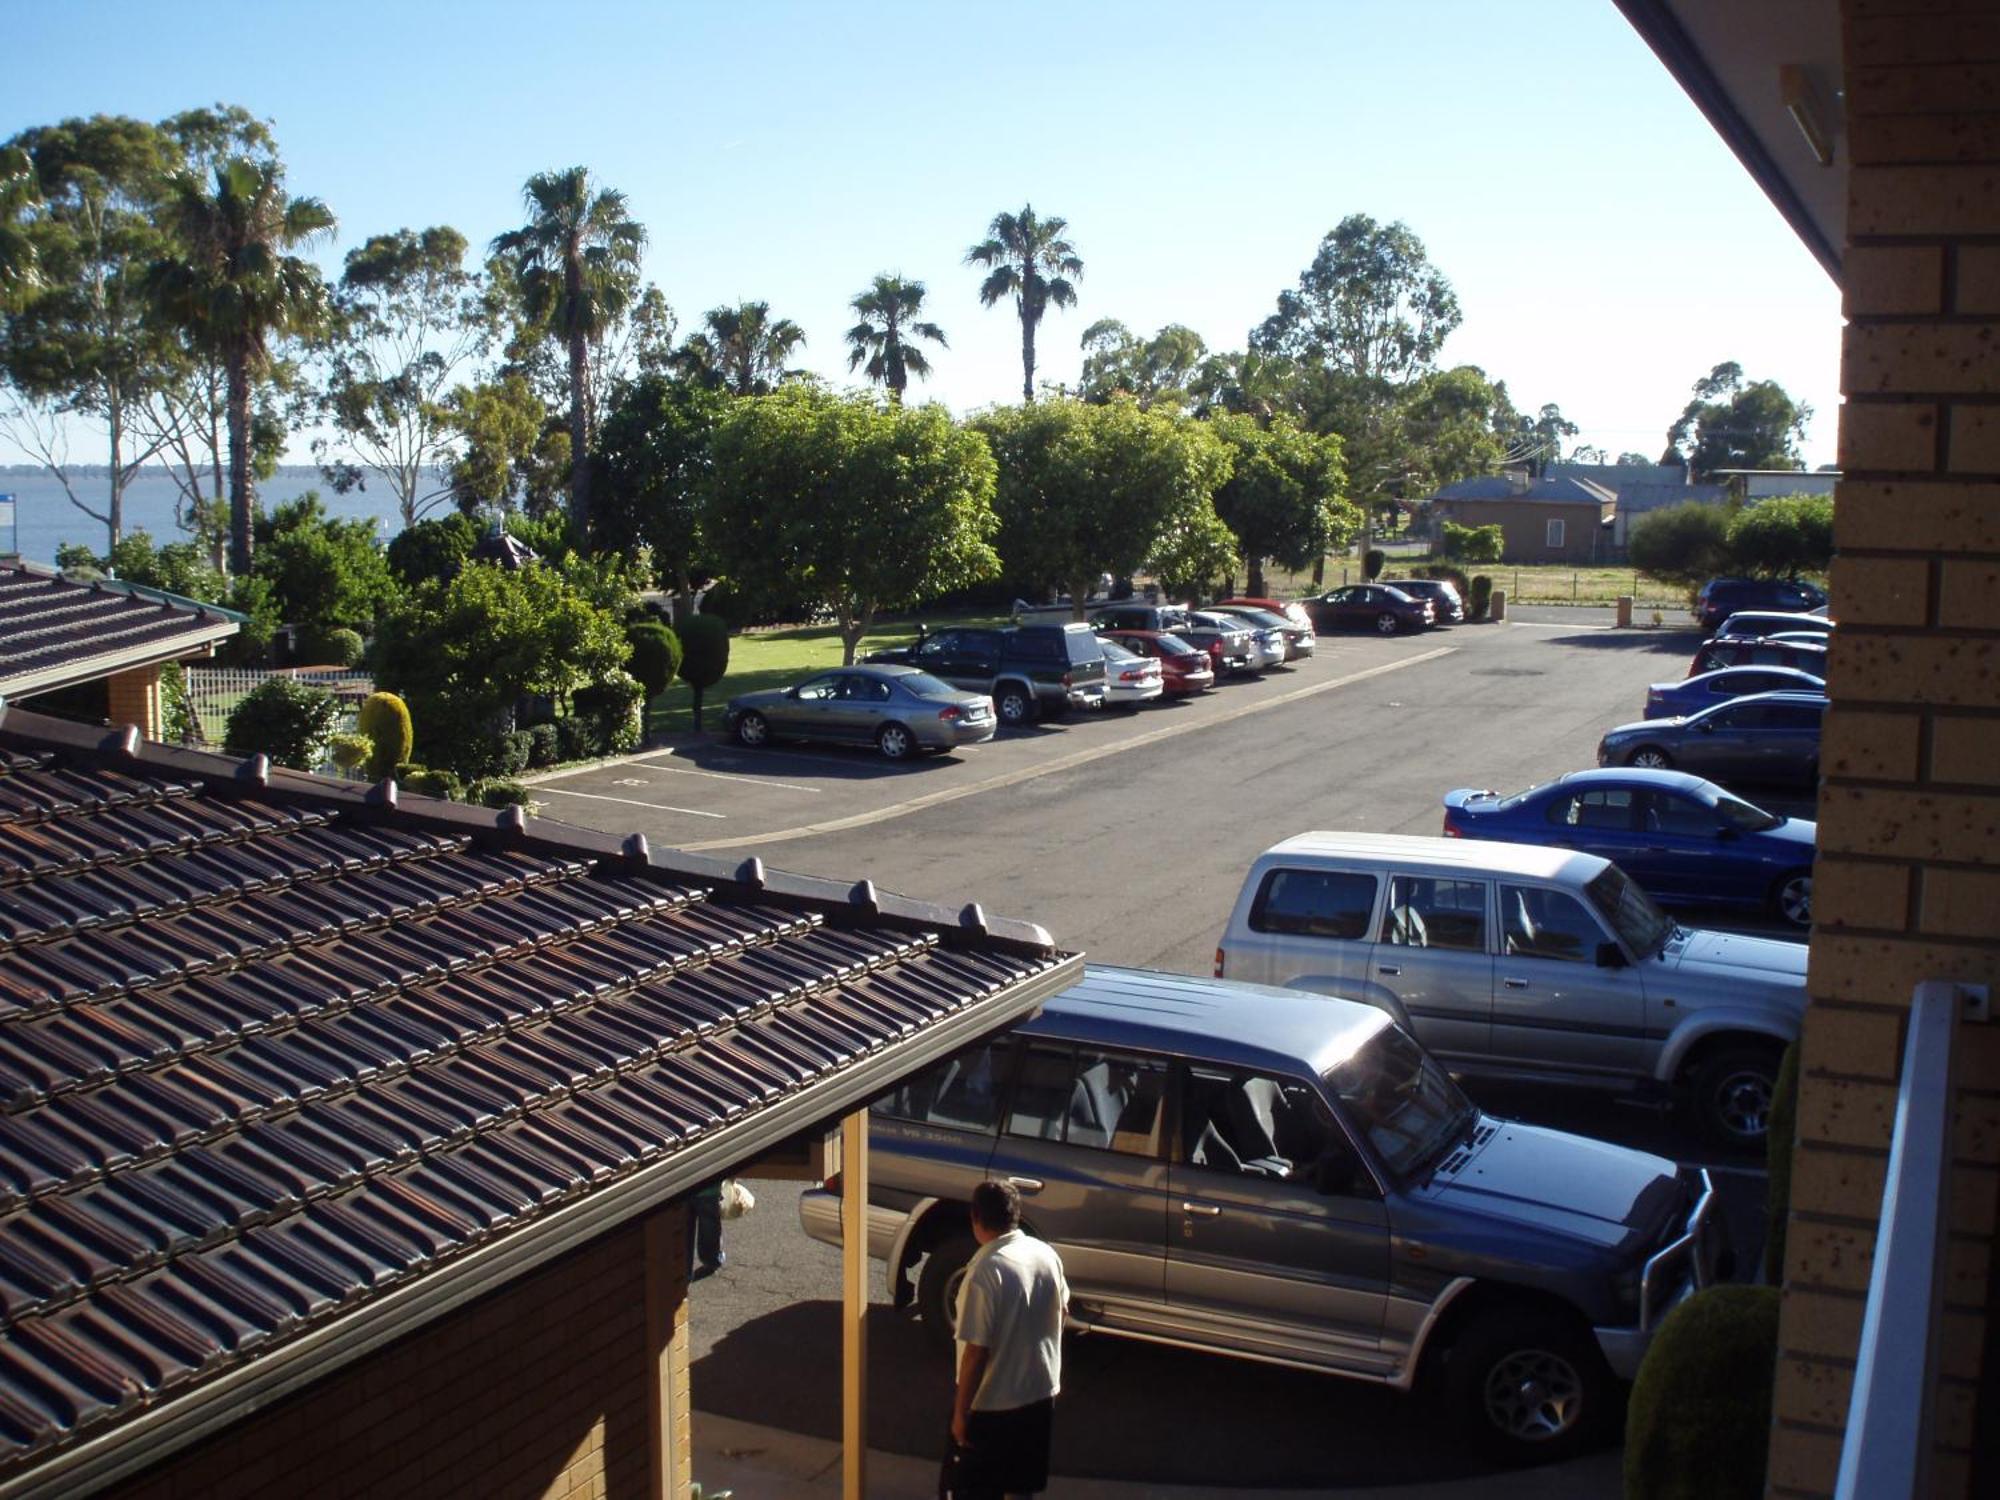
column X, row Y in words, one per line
column 1292, row 1178
column 1722, row 597
column 1030, row 670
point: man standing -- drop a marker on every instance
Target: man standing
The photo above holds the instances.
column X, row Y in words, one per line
column 1010, row 1322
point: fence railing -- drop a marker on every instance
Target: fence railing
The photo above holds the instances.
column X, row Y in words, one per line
column 214, row 692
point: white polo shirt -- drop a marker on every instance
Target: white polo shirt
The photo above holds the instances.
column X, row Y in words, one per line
column 1012, row 1305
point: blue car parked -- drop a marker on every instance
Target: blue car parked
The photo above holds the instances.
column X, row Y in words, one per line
column 1685, row 840
column 1690, row 695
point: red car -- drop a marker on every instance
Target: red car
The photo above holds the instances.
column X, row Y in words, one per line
column 1295, row 612
column 1184, row 669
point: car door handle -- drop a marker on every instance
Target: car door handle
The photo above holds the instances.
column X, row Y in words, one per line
column 1387, row 969
column 1202, row 1210
column 1026, row 1184
column 1515, row 984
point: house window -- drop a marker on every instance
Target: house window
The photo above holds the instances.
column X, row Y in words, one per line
column 1555, row 536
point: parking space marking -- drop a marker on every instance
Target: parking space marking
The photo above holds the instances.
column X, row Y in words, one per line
column 1063, row 762
column 692, row 812
column 1556, row 625
column 789, row 786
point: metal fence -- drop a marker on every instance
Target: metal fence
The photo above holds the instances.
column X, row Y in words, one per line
column 214, row 692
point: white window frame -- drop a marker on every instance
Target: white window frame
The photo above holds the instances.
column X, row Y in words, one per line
column 1554, row 536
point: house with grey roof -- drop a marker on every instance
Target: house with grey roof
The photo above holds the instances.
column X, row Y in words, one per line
column 1542, row 520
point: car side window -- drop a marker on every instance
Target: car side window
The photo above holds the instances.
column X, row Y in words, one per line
column 1088, row 1097
column 874, row 689
column 1548, row 924
column 1428, row 913
column 1599, row 807
column 819, row 689
column 1314, row 903
column 939, row 646
column 961, row 1093
column 1794, row 716
column 1667, row 812
column 1278, row 1129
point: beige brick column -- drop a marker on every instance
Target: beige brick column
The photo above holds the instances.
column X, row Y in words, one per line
column 134, row 698
column 1908, row 878
column 669, row 1399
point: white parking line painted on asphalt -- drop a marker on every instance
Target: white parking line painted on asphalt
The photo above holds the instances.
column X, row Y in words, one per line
column 692, row 812
column 1062, row 762
column 790, row 786
column 1555, row 625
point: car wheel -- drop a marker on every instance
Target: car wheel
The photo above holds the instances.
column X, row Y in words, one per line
column 1385, row 623
column 1528, row 1386
column 751, row 730
column 896, row 742
column 937, row 1288
column 1731, row 1093
column 1013, row 705
column 1792, row 900
column 1652, row 757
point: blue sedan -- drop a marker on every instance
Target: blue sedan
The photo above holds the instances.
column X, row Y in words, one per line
column 1690, row 695
column 1687, row 841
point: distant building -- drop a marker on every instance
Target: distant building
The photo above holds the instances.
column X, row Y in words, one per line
column 1752, row 485
column 1550, row 519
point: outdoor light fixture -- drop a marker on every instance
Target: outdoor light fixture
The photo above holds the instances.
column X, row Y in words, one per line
column 1807, row 107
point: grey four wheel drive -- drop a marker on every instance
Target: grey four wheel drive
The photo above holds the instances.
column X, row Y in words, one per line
column 1292, row 1179
column 1030, row 671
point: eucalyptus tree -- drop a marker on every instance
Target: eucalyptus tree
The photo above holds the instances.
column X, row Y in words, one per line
column 20, row 262
column 1161, row 368
column 576, row 263
column 891, row 316
column 228, row 282
column 740, row 349
column 1028, row 259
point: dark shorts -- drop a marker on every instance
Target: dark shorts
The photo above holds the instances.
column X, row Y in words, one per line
column 1008, row 1453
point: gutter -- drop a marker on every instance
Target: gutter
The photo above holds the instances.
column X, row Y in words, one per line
column 198, row 641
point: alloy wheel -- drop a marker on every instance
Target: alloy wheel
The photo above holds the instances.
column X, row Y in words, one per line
column 1533, row 1396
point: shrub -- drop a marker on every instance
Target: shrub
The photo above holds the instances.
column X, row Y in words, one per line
column 426, row 782
column 1372, row 562
column 1778, row 1139
column 576, row 739
column 286, row 720
column 544, row 749
column 611, row 707
column 1700, row 1415
column 516, row 747
column 385, row 720
column 1782, row 537
column 1685, row 544
column 656, row 656
column 497, row 791
column 1480, row 600
column 337, row 648
column 464, row 734
column 351, row 750
column 704, row 656
column 1471, row 543
column 182, row 726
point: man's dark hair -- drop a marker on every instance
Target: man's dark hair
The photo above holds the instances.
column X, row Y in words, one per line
column 996, row 1206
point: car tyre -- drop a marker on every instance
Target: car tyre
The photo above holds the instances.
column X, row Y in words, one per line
column 938, row 1282
column 896, row 742
column 1650, row 757
column 1791, row 899
column 1013, row 705
column 1528, row 1386
column 1731, row 1093
column 752, row 731
column 1386, row 624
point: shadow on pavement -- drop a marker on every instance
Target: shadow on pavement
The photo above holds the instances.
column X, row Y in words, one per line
column 1679, row 643
column 1131, row 1411
column 829, row 761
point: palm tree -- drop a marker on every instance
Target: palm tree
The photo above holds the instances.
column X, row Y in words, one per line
column 1032, row 263
column 577, row 263
column 889, row 311
column 743, row 350
column 231, row 288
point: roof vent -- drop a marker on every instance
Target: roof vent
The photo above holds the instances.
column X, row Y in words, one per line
column 863, row 896
column 751, row 873
column 256, row 770
column 384, row 793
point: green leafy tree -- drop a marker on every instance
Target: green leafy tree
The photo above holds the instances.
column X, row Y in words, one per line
column 1633, row 459
column 325, row 574
column 408, row 317
column 1248, row 383
column 20, row 260
column 1370, row 305
column 1159, row 369
column 576, row 264
column 287, row 720
column 1283, row 498
column 864, row 506
column 431, row 550
column 227, row 282
column 656, row 454
column 741, row 349
column 1194, row 550
column 1086, row 489
column 1736, row 424
column 178, row 568
column 512, row 454
column 1027, row 258
column 1683, row 544
column 704, row 657
column 1782, row 537
column 1536, row 440
column 890, row 316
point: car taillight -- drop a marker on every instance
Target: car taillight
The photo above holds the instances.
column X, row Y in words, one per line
column 1066, row 681
column 1218, row 961
column 950, row 712
column 1452, row 830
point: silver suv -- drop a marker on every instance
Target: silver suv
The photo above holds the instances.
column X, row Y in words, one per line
column 1514, row 960
column 1292, row 1179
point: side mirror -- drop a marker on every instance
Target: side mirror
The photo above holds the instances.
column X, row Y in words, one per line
column 792, row 692
column 1610, row 956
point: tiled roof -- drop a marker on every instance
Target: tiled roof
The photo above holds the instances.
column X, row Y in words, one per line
column 278, row 1054
column 1544, row 491
column 1634, row 498
column 54, row 632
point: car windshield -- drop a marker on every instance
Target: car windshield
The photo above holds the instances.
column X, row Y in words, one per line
column 1115, row 652
column 1173, row 645
column 926, row 686
column 1261, row 617
column 1736, row 813
column 1403, row 1100
column 1641, row 926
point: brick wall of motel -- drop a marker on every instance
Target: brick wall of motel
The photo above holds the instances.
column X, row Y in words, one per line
column 1909, row 853
column 537, row 1390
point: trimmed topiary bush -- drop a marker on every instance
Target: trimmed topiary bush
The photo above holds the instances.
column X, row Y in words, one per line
column 1480, row 601
column 516, row 748
column 576, row 738
column 1372, row 562
column 544, row 748
column 286, row 720
column 337, row 648
column 1700, row 1414
column 426, row 782
column 1778, row 1138
column 656, row 656
column 385, row 720
column 704, row 656
column 497, row 791
column 351, row 750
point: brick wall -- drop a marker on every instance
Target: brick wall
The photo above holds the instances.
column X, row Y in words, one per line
column 538, row 1390
column 134, row 698
column 1909, row 833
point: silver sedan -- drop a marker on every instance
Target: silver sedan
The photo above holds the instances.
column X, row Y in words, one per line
column 898, row 710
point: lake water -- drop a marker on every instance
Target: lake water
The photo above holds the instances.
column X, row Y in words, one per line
column 45, row 519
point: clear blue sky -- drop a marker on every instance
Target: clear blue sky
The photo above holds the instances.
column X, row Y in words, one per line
column 1606, row 247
